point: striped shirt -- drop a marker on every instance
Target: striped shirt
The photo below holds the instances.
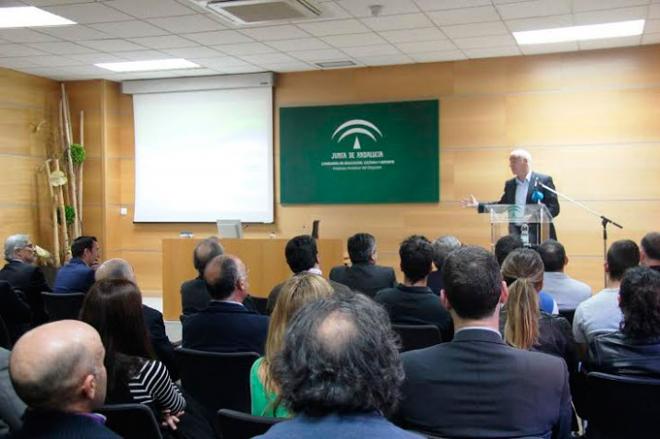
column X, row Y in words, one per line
column 152, row 384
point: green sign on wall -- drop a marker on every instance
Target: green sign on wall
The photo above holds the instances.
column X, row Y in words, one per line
column 366, row 153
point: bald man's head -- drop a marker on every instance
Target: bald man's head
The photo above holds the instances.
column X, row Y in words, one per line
column 116, row 268
column 59, row 366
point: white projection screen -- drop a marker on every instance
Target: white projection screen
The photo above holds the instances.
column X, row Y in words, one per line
column 204, row 155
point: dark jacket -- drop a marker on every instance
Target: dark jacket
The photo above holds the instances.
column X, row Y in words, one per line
column 14, row 310
column 194, row 296
column 620, row 355
column 416, row 306
column 74, row 277
column 225, row 327
column 30, row 280
column 153, row 319
column 364, row 277
column 11, row 406
column 60, row 425
column 477, row 386
column 434, row 281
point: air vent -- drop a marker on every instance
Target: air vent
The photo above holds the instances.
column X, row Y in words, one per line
column 241, row 12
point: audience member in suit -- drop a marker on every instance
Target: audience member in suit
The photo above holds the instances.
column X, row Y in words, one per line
column 339, row 371
column 363, row 275
column 23, row 275
column 505, row 245
column 11, row 406
column 412, row 302
column 15, row 312
column 476, row 385
column 601, row 313
column 58, row 370
column 521, row 322
column 296, row 292
column 194, row 295
column 635, row 349
column 567, row 292
column 77, row 276
column 441, row 249
column 226, row 325
column 153, row 319
column 302, row 256
column 649, row 251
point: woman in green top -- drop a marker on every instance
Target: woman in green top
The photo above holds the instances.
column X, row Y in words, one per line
column 296, row 292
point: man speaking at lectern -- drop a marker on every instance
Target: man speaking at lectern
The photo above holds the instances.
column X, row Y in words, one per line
column 525, row 188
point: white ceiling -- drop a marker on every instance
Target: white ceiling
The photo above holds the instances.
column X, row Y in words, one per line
column 406, row 31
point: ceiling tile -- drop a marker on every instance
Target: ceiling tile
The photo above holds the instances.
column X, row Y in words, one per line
column 462, row 16
column 54, row 61
column 54, row 2
column 75, row 32
column 610, row 42
column 114, row 45
column 383, row 49
column 242, row 69
column 289, row 67
column 476, row 30
column 192, row 52
column 591, row 5
column 491, row 52
column 435, row 5
column 534, row 49
column 354, row 40
column 319, row 55
column 187, row 23
column 483, row 42
column 61, row 48
column 272, row 58
column 360, row 8
column 85, row 13
column 44, row 72
column 299, row 44
column 19, row 50
column 129, row 29
column 535, row 8
column 150, row 8
column 447, row 55
column 143, row 55
column 654, row 11
column 25, row 36
column 385, row 60
column 611, row 15
column 395, row 22
column 218, row 37
column 163, row 42
column 270, row 33
column 410, row 35
column 219, row 62
column 652, row 26
column 244, row 49
column 525, row 24
column 651, row 38
column 426, row 46
column 95, row 58
column 334, row 27
column 18, row 61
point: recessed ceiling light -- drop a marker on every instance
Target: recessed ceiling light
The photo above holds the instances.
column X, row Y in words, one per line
column 141, row 66
column 581, row 33
column 29, row 16
column 335, row 64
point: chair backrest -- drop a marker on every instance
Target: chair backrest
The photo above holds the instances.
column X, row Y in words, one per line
column 217, row 380
column 131, row 421
column 417, row 336
column 238, row 425
column 61, row 306
column 568, row 314
column 622, row 406
column 261, row 304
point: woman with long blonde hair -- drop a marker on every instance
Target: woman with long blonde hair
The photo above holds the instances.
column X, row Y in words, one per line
column 296, row 292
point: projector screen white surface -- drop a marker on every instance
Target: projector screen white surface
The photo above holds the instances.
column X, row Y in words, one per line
column 205, row 155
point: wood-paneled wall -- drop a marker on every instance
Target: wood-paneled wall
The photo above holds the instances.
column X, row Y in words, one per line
column 26, row 102
column 590, row 119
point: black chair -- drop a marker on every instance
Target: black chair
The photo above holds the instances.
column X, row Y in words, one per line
column 217, row 380
column 62, row 306
column 622, row 406
column 5, row 339
column 238, row 425
column 260, row 303
column 417, row 336
column 568, row 314
column 131, row 421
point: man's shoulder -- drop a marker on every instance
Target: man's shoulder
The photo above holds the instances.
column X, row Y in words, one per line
column 387, row 294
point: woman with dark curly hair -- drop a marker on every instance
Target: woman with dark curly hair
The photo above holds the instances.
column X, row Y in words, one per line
column 635, row 349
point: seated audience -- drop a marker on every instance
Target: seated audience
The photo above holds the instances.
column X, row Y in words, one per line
column 412, row 302
column 363, row 275
column 477, row 386
column 302, row 256
column 23, row 275
column 339, row 371
column 634, row 349
column 505, row 245
column 77, row 276
column 11, row 406
column 121, row 269
column 296, row 292
column 57, row 369
column 567, row 292
column 226, row 325
column 441, row 248
column 14, row 311
column 649, row 251
column 194, row 295
column 521, row 322
column 601, row 313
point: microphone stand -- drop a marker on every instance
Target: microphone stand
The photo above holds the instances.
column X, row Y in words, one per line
column 604, row 221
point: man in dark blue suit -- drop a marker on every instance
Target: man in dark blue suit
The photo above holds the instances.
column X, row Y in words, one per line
column 226, row 325
column 77, row 276
column 476, row 385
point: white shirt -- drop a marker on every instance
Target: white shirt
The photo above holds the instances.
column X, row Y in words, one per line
column 567, row 292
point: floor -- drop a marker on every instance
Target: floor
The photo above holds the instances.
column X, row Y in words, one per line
column 172, row 327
